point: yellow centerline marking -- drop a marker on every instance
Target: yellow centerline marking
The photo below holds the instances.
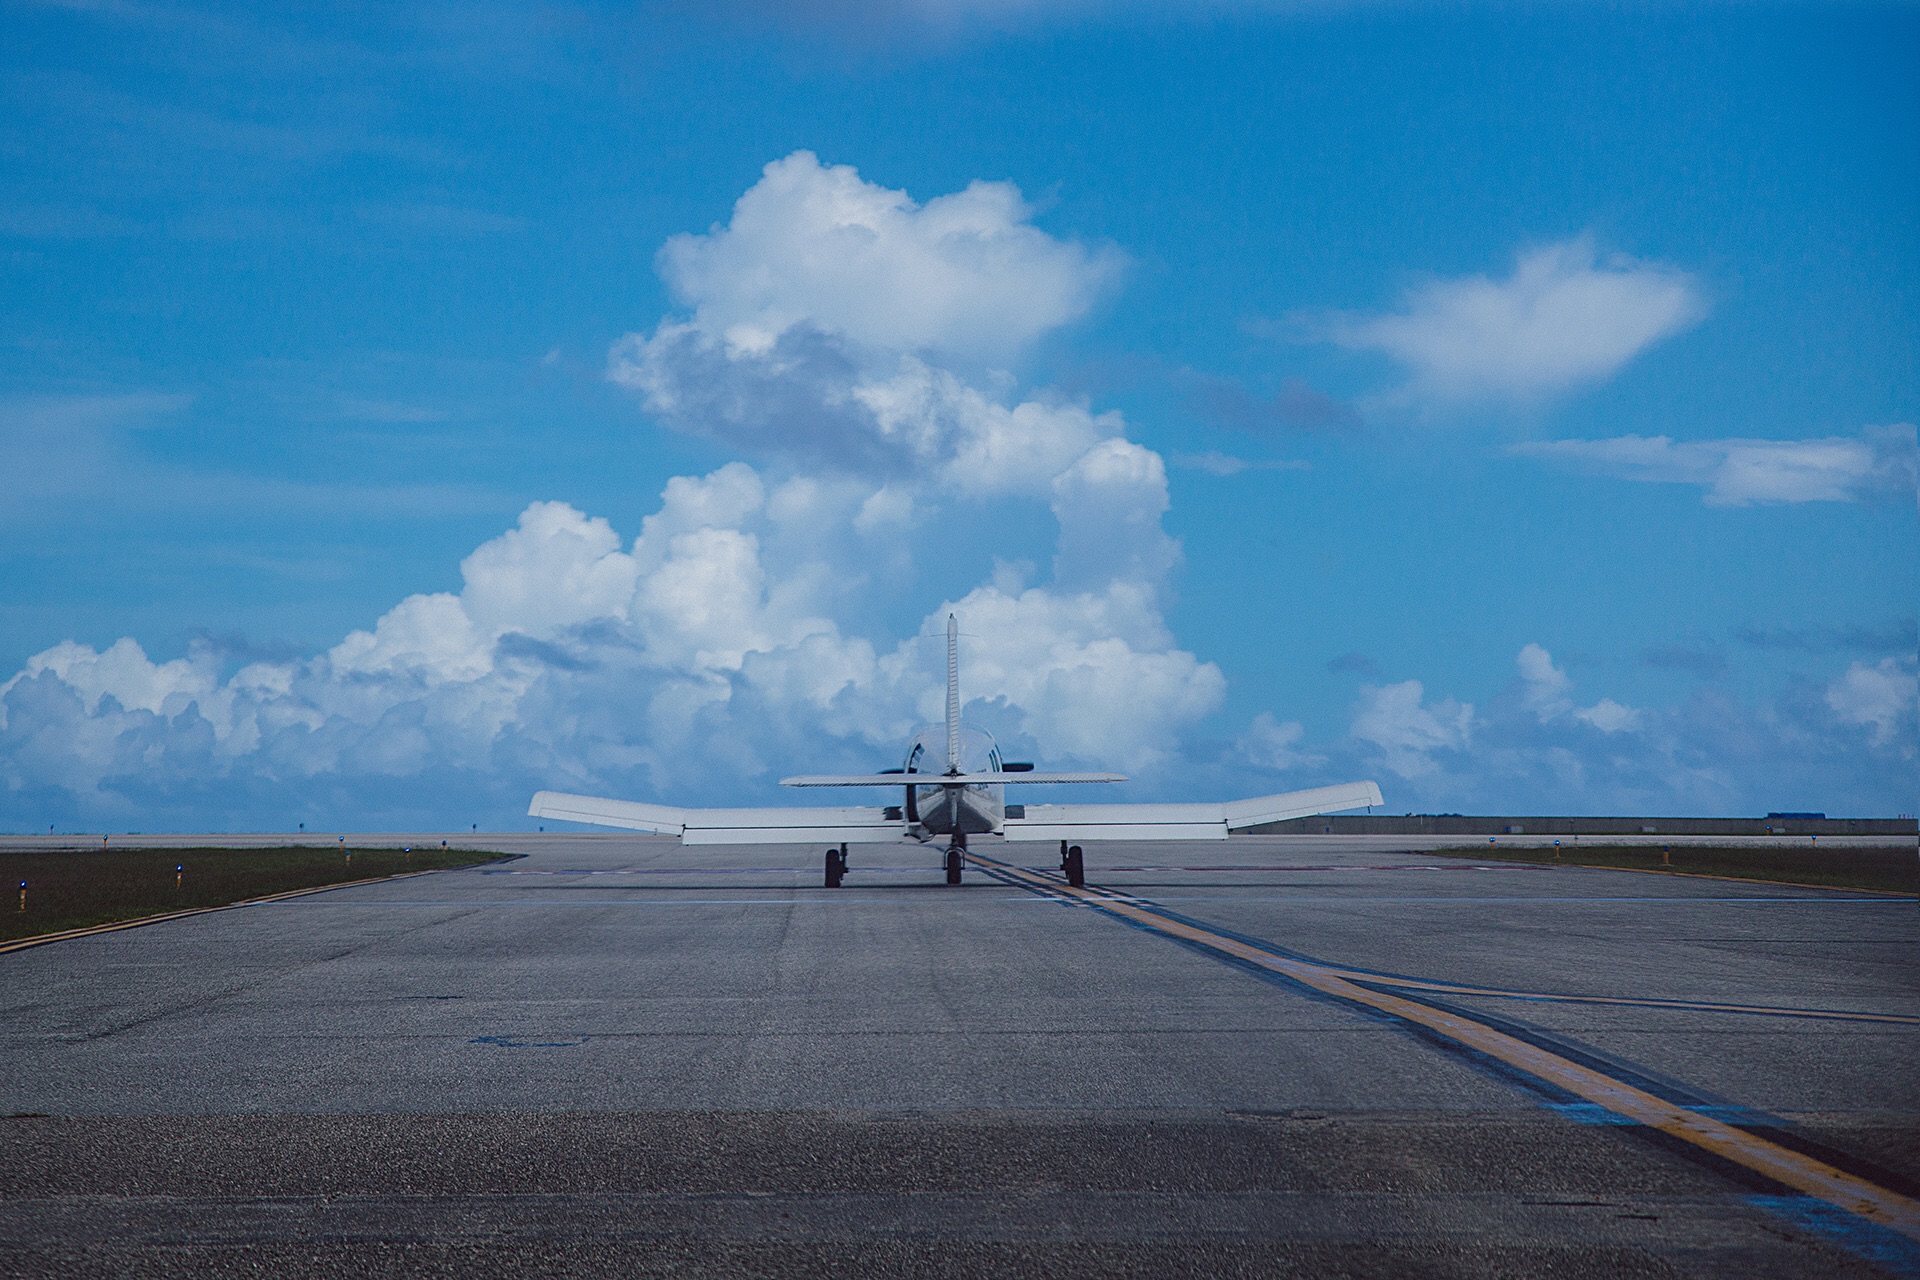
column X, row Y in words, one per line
column 1790, row 1168
column 20, row 944
column 1443, row 988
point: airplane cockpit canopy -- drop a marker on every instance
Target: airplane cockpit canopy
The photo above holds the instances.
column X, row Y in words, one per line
column 928, row 751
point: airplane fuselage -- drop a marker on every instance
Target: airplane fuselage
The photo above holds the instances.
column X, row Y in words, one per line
column 951, row 786
column 973, row 810
column 946, row 809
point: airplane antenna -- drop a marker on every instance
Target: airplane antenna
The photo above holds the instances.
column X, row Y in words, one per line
column 953, row 695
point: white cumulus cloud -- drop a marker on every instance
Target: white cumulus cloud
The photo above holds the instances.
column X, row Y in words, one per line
column 817, row 245
column 1738, row 473
column 1109, row 504
column 1407, row 730
column 1545, row 690
column 1544, row 685
column 1609, row 716
column 1093, row 675
column 840, row 325
column 699, row 658
column 1562, row 318
column 1275, row 745
column 839, row 331
column 1881, row 698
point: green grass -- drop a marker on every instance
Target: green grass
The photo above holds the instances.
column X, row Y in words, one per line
column 1893, row 869
column 71, row 890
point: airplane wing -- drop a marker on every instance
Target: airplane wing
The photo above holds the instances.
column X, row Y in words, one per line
column 845, row 825
column 871, row 825
column 1181, row 821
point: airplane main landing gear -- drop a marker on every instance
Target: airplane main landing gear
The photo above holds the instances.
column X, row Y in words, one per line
column 956, row 857
column 836, row 866
column 1073, row 864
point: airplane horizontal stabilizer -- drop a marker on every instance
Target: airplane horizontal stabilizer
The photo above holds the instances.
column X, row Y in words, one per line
column 940, row 779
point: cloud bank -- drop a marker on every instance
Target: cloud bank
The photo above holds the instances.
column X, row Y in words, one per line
column 857, row 348
column 841, row 335
column 1879, row 462
column 1537, row 746
column 684, row 664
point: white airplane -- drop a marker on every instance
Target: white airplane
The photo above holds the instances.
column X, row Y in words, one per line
column 963, row 795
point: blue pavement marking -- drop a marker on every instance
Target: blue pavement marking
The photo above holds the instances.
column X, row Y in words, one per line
column 1431, row 900
column 1875, row 1243
column 1594, row 1113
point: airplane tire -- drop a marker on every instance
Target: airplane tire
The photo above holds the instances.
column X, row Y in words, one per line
column 834, row 869
column 953, row 866
column 1076, row 867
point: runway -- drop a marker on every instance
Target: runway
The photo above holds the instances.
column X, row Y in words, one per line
column 1275, row 1055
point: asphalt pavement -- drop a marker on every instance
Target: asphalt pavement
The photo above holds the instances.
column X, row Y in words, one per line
column 1272, row 1055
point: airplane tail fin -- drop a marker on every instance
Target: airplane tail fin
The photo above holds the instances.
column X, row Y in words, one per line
column 953, row 695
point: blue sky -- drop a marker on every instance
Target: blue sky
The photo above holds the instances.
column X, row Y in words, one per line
column 1509, row 403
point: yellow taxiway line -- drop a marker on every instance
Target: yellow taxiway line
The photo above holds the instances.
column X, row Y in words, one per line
column 1790, row 1168
column 1632, row 1002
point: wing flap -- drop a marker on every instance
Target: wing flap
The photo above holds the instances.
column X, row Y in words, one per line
column 1181, row 821
column 629, row 814
column 1300, row 804
column 888, row 834
column 840, row 825
column 1118, row 822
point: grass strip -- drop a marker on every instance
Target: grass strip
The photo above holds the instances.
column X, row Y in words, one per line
column 1894, row 869
column 81, row 888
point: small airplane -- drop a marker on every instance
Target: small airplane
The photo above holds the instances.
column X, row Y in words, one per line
column 953, row 786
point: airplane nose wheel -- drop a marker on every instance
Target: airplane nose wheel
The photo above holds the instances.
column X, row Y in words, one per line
column 836, row 866
column 1073, row 863
column 954, row 860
